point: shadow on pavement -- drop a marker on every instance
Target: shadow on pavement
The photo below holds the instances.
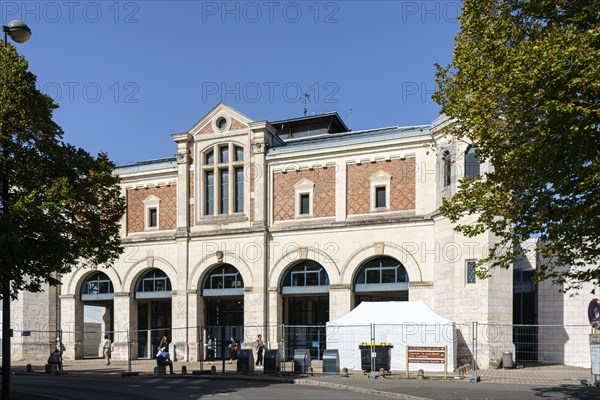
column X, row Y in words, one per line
column 568, row 392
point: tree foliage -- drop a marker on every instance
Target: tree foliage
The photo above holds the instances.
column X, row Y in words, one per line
column 64, row 205
column 523, row 86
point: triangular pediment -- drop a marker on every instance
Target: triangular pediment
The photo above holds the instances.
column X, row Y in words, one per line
column 220, row 119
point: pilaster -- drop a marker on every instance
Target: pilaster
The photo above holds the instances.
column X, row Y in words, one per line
column 183, row 179
column 125, row 322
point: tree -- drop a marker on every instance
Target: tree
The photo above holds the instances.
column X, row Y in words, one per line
column 59, row 206
column 523, row 87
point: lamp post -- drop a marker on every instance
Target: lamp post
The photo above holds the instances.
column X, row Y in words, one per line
column 19, row 32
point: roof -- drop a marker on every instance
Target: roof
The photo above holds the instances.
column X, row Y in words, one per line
column 391, row 312
column 346, row 138
column 148, row 165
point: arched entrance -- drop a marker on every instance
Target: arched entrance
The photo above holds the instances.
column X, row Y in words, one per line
column 381, row 279
column 223, row 294
column 98, row 310
column 153, row 297
column 305, row 293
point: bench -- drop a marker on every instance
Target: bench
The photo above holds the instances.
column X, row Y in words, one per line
column 160, row 370
column 51, row 368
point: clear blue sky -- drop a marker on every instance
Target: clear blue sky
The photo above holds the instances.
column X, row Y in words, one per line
column 128, row 74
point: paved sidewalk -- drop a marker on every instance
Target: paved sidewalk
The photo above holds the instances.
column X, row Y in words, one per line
column 551, row 375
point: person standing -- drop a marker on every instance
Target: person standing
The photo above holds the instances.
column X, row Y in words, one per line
column 107, row 349
column 234, row 348
column 259, row 345
column 60, row 347
column 210, row 348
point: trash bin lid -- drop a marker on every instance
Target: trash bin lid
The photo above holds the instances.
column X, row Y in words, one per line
column 375, row 344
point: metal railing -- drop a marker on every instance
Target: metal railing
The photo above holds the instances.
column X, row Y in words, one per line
column 475, row 350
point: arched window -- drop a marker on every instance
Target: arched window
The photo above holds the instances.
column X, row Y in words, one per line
column 381, row 274
column 153, row 284
column 305, row 277
column 472, row 163
column 224, row 280
column 97, row 286
column 223, row 180
column 447, row 172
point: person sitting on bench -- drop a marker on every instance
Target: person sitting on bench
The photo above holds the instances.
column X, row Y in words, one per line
column 54, row 359
column 163, row 359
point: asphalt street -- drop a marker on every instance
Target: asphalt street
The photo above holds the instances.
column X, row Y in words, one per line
column 114, row 387
column 92, row 386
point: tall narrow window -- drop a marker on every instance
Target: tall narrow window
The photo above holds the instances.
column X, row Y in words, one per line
column 224, row 154
column 224, row 194
column 210, row 193
column 152, row 217
column 210, row 158
column 151, row 213
column 305, row 204
column 472, row 164
column 380, row 197
column 223, row 180
column 239, row 189
column 447, row 158
column 471, row 277
column 239, row 154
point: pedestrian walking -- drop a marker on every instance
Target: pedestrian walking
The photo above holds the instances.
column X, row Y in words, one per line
column 107, row 349
column 210, row 348
column 234, row 348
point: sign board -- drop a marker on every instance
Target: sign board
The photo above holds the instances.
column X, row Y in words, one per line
column 594, row 313
column 427, row 355
column 595, row 352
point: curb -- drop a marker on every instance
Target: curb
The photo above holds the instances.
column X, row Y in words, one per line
column 299, row 381
column 339, row 386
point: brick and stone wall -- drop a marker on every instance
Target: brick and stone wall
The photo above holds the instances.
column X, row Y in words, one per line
column 402, row 185
column 284, row 206
column 135, row 207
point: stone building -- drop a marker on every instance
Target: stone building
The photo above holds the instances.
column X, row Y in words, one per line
column 255, row 224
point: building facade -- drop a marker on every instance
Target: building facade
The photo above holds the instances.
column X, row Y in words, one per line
column 255, row 224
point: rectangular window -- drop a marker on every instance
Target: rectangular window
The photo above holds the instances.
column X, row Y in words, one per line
column 373, row 275
column 224, row 153
column 471, row 277
column 304, row 204
column 380, row 197
column 152, row 218
column 388, row 275
column 239, row 190
column 210, row 193
column 224, row 197
column 239, row 154
column 210, row 158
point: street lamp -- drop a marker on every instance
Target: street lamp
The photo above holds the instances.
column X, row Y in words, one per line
column 17, row 30
column 20, row 33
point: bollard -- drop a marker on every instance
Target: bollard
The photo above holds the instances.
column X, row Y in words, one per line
column 421, row 374
column 183, row 370
column 213, row 370
column 344, row 373
column 381, row 373
column 28, row 368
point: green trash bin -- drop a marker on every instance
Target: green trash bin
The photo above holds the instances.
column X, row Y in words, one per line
column 383, row 355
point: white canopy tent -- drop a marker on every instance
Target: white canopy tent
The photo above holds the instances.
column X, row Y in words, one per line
column 401, row 323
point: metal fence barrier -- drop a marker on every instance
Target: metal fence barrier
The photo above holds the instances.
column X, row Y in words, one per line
column 481, row 351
